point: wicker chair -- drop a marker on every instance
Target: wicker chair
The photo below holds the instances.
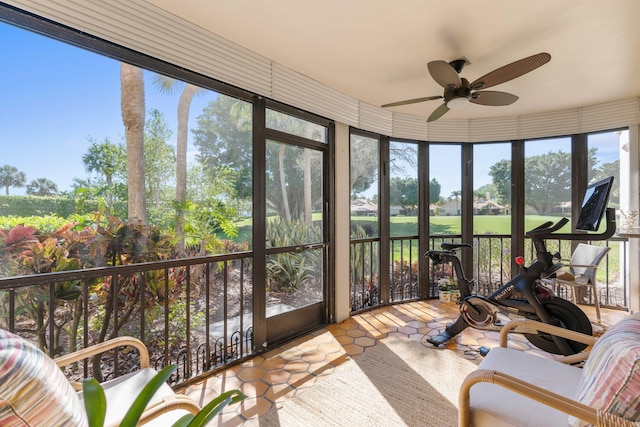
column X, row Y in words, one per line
column 34, row 391
column 514, row 388
column 121, row 391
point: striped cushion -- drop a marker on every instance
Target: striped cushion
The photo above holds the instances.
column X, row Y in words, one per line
column 33, row 390
column 611, row 375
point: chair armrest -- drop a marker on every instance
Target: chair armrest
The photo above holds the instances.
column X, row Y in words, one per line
column 105, row 346
column 543, row 327
column 531, row 391
column 581, row 265
column 176, row 402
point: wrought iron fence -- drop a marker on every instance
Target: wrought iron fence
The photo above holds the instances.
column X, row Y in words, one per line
column 492, row 260
column 194, row 312
column 404, row 284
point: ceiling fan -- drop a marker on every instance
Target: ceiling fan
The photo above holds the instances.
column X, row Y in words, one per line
column 458, row 92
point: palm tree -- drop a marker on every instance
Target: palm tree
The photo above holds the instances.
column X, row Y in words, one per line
column 11, row 177
column 42, row 187
column 169, row 85
column 133, row 112
column 104, row 158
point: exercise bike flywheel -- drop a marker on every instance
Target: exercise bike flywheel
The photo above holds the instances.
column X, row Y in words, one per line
column 478, row 314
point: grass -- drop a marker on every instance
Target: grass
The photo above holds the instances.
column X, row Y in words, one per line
column 482, row 224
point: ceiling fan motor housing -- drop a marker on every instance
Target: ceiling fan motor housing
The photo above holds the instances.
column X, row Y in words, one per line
column 464, row 91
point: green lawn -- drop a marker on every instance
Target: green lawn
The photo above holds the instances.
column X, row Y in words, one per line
column 482, row 224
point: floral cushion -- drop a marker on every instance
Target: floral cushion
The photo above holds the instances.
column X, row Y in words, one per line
column 33, row 390
column 611, row 375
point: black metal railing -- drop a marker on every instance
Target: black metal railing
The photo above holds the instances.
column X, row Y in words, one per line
column 492, row 261
column 193, row 312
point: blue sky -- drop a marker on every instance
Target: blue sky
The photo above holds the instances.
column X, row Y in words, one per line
column 56, row 96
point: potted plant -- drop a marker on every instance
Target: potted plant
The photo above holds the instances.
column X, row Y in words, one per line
column 444, row 285
column 95, row 403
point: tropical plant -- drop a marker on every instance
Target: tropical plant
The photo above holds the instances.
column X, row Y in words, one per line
column 289, row 271
column 105, row 160
column 159, row 166
column 11, row 177
column 42, row 187
column 95, row 403
column 23, row 250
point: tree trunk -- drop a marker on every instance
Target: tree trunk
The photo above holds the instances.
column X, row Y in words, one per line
column 308, row 133
column 283, row 184
column 133, row 112
column 184, row 105
column 308, row 207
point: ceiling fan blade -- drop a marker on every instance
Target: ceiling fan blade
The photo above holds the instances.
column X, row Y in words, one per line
column 437, row 113
column 511, row 71
column 444, row 74
column 412, row 101
column 492, row 97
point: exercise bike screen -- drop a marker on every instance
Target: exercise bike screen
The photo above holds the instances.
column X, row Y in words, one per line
column 594, row 204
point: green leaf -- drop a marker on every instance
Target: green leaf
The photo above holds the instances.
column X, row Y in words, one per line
column 184, row 421
column 207, row 413
column 95, row 404
column 137, row 408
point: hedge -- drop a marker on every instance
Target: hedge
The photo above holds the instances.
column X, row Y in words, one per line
column 41, row 205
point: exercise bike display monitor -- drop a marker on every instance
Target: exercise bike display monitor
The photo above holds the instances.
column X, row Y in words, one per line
column 594, row 204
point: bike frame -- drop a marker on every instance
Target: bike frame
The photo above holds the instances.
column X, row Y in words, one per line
column 524, row 283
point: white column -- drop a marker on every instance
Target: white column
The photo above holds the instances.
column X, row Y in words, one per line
column 342, row 226
column 633, row 195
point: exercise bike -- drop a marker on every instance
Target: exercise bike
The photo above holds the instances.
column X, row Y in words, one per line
column 524, row 296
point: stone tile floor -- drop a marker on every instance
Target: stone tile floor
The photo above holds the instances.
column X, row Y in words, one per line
column 284, row 372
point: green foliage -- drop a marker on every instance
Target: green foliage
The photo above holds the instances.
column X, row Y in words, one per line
column 501, row 174
column 177, row 314
column 548, row 179
column 42, row 187
column 47, row 223
column 223, row 139
column 95, row 403
column 108, row 161
column 210, row 215
column 606, row 170
column 42, row 205
column 365, row 158
column 434, row 190
column 159, row 169
column 404, row 192
column 289, row 271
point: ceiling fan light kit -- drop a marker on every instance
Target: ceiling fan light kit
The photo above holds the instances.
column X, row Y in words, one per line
column 458, row 92
column 459, row 102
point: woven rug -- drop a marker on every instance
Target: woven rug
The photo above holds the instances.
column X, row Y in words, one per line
column 398, row 382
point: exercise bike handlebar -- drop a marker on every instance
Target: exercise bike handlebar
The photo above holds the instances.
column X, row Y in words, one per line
column 545, row 231
column 547, row 228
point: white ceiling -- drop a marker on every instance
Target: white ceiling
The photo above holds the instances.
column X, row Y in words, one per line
column 377, row 50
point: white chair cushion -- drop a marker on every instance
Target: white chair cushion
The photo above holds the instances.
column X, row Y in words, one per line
column 122, row 391
column 495, row 406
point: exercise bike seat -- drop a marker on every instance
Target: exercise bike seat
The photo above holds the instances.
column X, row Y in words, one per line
column 451, row 246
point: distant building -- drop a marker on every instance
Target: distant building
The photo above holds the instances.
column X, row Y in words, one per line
column 487, row 206
column 363, row 207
